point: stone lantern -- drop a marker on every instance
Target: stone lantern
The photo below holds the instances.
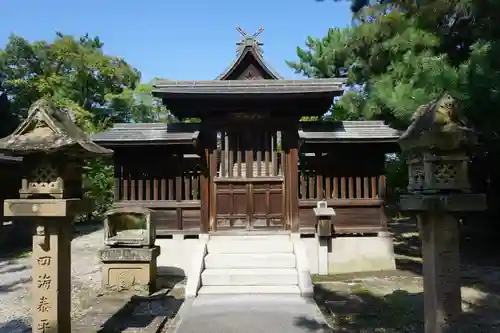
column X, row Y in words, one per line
column 437, row 145
column 53, row 150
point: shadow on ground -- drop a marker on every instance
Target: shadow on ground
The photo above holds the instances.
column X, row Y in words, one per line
column 480, row 257
column 15, row 326
column 142, row 313
column 360, row 311
column 125, row 312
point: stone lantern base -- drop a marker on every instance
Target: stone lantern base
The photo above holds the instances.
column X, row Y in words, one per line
column 129, row 269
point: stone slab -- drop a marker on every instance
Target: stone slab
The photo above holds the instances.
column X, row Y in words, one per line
column 251, row 314
column 127, row 254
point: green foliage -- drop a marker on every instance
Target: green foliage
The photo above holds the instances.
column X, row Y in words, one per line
column 77, row 74
column 402, row 54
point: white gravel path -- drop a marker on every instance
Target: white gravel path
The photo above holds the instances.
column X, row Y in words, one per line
column 15, row 278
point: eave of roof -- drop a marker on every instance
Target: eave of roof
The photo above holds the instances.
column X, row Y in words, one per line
column 249, row 50
column 147, row 133
column 258, row 88
column 348, row 131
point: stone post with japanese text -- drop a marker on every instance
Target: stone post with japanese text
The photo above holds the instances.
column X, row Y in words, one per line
column 436, row 146
column 53, row 149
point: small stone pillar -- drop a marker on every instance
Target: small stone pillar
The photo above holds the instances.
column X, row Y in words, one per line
column 129, row 258
column 53, row 149
column 436, row 145
column 324, row 215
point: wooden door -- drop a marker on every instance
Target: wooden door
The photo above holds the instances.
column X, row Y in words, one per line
column 249, row 204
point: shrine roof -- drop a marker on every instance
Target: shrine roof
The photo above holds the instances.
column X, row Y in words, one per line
column 249, row 50
column 347, row 131
column 148, row 133
column 164, row 88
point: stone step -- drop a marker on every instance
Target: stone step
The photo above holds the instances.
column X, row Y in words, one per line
column 249, row 277
column 224, row 290
column 246, row 260
column 253, row 246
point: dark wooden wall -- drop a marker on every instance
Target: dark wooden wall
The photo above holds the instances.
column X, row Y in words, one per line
column 350, row 177
column 172, row 181
column 167, row 180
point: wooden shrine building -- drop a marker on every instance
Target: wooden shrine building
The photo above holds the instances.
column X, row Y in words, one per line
column 250, row 164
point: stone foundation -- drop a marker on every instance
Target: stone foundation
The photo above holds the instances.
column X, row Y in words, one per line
column 177, row 253
column 335, row 255
column 129, row 269
column 339, row 255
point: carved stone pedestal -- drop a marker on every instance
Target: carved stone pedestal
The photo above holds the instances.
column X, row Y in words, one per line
column 51, row 273
column 129, row 269
column 439, row 234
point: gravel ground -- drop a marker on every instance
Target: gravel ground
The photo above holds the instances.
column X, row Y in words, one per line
column 15, row 278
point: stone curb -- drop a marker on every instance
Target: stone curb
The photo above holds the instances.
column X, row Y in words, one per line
column 177, row 320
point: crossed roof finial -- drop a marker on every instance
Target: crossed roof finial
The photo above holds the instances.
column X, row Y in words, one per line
column 244, row 34
column 249, row 40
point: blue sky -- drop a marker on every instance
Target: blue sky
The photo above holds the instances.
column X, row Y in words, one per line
column 181, row 40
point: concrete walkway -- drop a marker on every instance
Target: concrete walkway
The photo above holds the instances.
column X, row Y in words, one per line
column 250, row 314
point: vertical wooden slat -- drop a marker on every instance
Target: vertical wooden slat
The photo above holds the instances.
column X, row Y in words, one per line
column 187, row 187
column 205, row 193
column 381, row 187
column 259, row 162
column 223, row 164
column 171, row 194
column 140, row 189
column 293, row 173
column 275, row 163
column 319, row 187
column 196, row 191
column 238, row 161
column 266, row 162
column 148, row 189
column 132, row 188
column 359, row 193
column 310, row 184
column 366, row 188
column 213, row 190
column 125, row 188
column 155, row 188
column 328, row 191
column 374, row 187
column 249, row 163
column 163, row 194
column 335, row 193
column 178, row 193
column 342, row 188
column 231, row 163
column 351, row 187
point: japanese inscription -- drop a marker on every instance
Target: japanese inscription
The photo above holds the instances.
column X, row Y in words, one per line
column 44, row 260
column 43, row 326
column 43, row 284
column 43, row 281
column 43, row 305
